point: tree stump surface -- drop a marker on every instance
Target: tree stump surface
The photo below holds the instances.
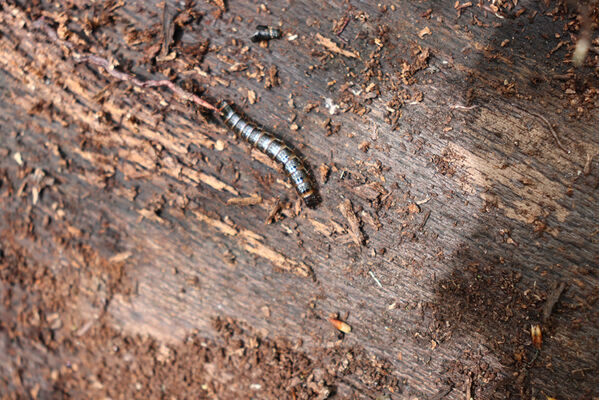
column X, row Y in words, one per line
column 455, row 152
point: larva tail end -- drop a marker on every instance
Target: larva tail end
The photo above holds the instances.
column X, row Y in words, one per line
column 311, row 199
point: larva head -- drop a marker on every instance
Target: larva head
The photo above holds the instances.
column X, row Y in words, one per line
column 223, row 106
column 226, row 112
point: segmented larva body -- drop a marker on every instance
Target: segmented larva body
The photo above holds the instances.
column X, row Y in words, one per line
column 264, row 32
column 273, row 148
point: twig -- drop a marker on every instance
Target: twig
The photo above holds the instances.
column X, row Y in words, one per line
column 553, row 132
column 123, row 76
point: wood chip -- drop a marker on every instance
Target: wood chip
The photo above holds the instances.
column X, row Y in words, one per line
column 168, row 57
column 321, row 228
column 323, row 171
column 276, row 208
column 332, row 46
column 252, row 96
column 119, row 257
column 245, row 201
column 413, row 208
column 354, row 223
column 272, row 79
column 371, row 219
column 459, row 6
column 370, row 191
column 425, row 31
column 17, row 157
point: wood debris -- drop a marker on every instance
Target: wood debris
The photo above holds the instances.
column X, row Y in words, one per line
column 272, row 79
column 371, row 219
column 354, row 223
column 274, row 211
column 370, row 191
column 413, row 208
column 209, row 180
column 18, row 158
column 222, row 7
column 245, row 201
column 323, row 171
column 120, row 257
column 319, row 227
column 110, row 68
column 332, row 46
column 252, row 96
column 252, row 243
column 424, row 31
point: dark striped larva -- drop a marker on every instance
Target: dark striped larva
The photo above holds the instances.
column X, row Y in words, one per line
column 273, row 148
column 264, row 32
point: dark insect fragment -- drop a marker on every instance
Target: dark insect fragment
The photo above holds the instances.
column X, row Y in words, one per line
column 273, row 148
column 264, row 32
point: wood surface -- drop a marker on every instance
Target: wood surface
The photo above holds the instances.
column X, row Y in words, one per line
column 449, row 214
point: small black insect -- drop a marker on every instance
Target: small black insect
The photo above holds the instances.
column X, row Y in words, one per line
column 264, row 32
column 273, row 148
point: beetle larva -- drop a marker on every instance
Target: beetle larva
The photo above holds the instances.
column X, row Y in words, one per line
column 264, row 32
column 273, row 148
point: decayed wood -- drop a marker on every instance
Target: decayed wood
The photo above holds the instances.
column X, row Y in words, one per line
column 459, row 211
